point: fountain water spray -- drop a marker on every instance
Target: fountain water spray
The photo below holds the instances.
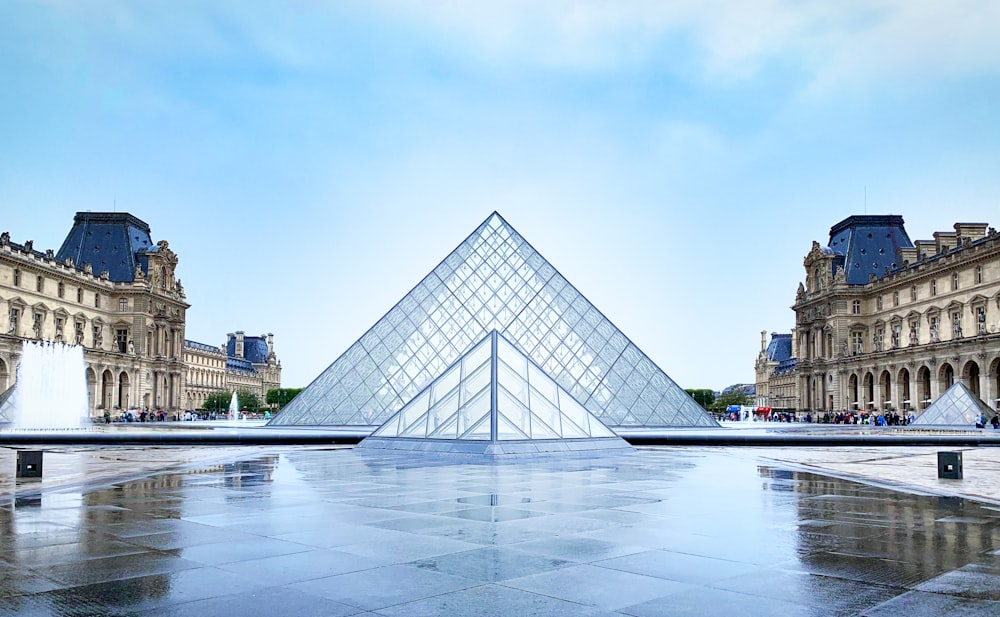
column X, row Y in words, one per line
column 51, row 387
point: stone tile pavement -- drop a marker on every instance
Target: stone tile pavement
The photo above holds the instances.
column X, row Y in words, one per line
column 665, row 531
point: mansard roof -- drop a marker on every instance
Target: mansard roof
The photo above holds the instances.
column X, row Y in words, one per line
column 869, row 245
column 109, row 241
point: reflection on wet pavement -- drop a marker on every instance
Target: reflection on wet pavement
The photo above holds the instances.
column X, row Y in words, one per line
column 312, row 531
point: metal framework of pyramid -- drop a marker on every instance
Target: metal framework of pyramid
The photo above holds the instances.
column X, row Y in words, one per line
column 958, row 406
column 494, row 400
column 494, row 280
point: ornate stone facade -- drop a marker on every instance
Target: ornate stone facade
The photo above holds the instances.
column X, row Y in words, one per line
column 110, row 289
column 113, row 290
column 883, row 324
column 241, row 363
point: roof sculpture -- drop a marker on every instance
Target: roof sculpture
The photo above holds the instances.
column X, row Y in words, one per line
column 494, row 400
column 958, row 406
column 494, row 280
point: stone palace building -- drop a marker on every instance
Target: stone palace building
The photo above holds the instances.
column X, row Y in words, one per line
column 114, row 291
column 886, row 324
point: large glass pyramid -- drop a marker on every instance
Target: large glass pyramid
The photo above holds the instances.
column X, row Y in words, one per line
column 958, row 406
column 494, row 280
column 496, row 401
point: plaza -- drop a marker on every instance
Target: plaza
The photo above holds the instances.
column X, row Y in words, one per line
column 329, row 530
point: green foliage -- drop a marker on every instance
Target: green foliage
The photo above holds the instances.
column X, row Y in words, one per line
column 732, row 397
column 702, row 396
column 281, row 396
column 217, row 401
column 248, row 401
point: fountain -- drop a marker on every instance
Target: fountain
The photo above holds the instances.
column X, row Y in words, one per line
column 234, row 407
column 51, row 388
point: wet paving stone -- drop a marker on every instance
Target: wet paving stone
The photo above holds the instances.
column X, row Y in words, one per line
column 672, row 531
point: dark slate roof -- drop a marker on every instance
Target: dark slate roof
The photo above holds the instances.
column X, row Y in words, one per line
column 780, row 348
column 242, row 366
column 785, row 366
column 868, row 245
column 254, row 348
column 201, row 346
column 112, row 241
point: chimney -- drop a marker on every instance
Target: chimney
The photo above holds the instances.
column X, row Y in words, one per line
column 763, row 340
column 270, row 345
column 239, row 344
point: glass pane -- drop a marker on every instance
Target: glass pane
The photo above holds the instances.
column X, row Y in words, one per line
column 416, row 429
column 443, row 411
column 477, row 381
column 516, row 413
column 445, row 384
column 546, row 412
column 474, row 411
column 447, row 430
column 541, row 430
column 480, row 431
column 575, row 413
column 506, row 430
column 513, row 382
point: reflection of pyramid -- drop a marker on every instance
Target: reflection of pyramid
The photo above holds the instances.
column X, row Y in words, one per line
column 494, row 400
column 956, row 407
column 7, row 402
column 494, row 280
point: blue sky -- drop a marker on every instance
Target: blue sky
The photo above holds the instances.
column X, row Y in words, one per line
column 310, row 162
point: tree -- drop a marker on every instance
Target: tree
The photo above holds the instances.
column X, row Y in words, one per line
column 734, row 396
column 217, row 401
column 281, row 396
column 248, row 401
column 702, row 396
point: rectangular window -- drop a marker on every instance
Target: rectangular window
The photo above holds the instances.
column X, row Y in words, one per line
column 858, row 342
column 61, row 290
column 934, row 288
column 123, row 305
column 895, row 298
column 878, row 303
column 856, row 307
column 879, row 339
column 79, row 295
column 39, row 284
column 95, row 332
column 913, row 293
column 121, row 340
column 979, row 275
column 954, row 281
column 78, row 332
column 97, row 300
column 14, row 315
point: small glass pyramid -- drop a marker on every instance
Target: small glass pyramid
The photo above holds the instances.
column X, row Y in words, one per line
column 494, row 280
column 958, row 406
column 494, row 394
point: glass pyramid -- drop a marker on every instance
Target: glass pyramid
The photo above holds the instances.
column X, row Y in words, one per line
column 494, row 393
column 494, row 280
column 958, row 406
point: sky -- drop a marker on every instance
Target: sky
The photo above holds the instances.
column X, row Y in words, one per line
column 310, row 162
